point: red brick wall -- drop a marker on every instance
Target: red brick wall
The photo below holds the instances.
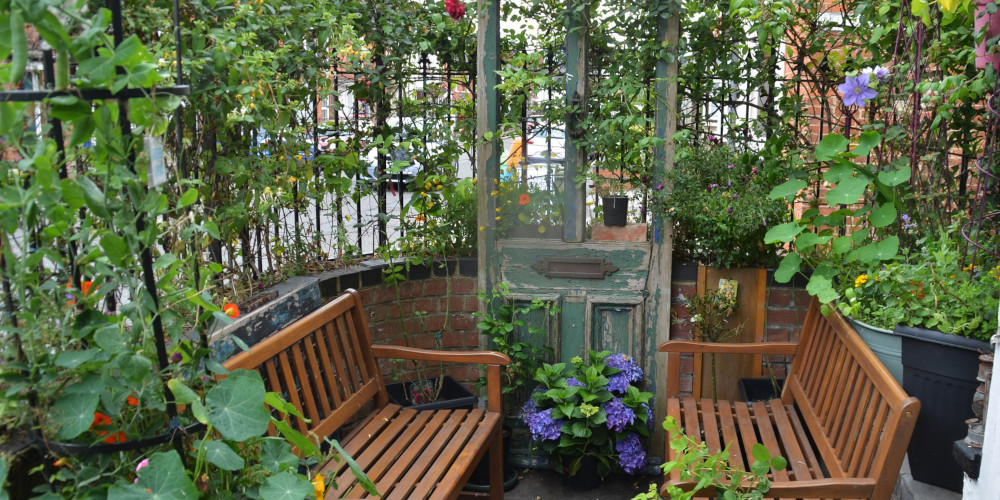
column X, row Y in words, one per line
column 447, row 324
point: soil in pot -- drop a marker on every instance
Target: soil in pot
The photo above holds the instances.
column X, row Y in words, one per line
column 453, row 395
column 760, row 389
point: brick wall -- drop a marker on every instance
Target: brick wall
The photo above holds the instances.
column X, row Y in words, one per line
column 786, row 311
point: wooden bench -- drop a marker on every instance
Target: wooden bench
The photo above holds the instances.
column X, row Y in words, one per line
column 325, row 365
column 842, row 421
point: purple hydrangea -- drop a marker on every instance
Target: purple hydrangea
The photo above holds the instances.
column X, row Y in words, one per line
column 649, row 416
column 618, row 414
column 542, row 425
column 529, row 408
column 572, row 381
column 631, row 456
column 626, row 366
column 856, row 91
column 618, row 383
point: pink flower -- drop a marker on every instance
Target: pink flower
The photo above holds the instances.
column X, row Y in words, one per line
column 144, row 463
column 455, row 8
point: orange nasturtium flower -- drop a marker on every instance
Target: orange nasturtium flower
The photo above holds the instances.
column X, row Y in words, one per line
column 319, row 485
column 524, row 199
column 132, row 401
column 231, row 310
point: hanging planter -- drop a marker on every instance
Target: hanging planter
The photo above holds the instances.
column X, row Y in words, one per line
column 615, row 210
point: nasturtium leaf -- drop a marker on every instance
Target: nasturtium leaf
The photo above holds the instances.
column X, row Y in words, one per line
column 783, row 233
column 894, row 177
column 163, row 479
column 788, row 189
column 73, row 359
column 809, row 239
column 883, row 215
column 236, row 406
column 134, row 368
column 286, row 486
column 73, row 413
column 848, row 191
column 788, row 267
column 868, row 140
column 837, row 171
column 880, row 250
column 841, row 245
column 831, row 146
column 822, row 288
column 222, row 456
column 276, row 455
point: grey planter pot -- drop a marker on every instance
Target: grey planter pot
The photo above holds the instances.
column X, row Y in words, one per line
column 886, row 344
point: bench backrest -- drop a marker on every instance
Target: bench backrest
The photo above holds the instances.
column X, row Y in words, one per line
column 322, row 364
column 849, row 400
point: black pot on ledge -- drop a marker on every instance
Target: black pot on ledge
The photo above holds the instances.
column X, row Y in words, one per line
column 615, row 210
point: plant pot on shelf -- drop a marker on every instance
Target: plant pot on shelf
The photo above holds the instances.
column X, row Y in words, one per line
column 886, row 344
column 480, row 480
column 453, row 395
column 940, row 370
column 615, row 210
column 760, row 389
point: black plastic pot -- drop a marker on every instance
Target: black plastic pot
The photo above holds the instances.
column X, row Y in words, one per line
column 759, row 389
column 480, row 480
column 615, row 210
column 586, row 478
column 453, row 396
column 940, row 370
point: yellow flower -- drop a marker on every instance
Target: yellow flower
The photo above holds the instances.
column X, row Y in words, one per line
column 427, row 186
column 497, row 218
column 541, row 229
column 498, row 209
column 949, row 5
column 292, row 179
column 348, row 217
column 860, row 280
column 969, row 268
column 267, row 190
column 494, row 193
column 319, row 485
column 482, row 228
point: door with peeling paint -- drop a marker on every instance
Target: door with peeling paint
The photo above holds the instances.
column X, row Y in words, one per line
column 599, row 288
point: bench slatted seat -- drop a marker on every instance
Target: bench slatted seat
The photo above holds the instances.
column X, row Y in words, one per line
column 842, row 421
column 326, row 366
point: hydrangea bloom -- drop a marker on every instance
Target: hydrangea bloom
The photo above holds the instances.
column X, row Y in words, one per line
column 542, row 425
column 856, row 91
column 627, row 366
column 618, row 383
column 618, row 414
column 529, row 408
column 572, row 381
column 631, row 456
column 649, row 416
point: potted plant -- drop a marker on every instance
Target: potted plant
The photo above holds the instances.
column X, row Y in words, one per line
column 590, row 416
column 941, row 310
column 618, row 135
column 718, row 202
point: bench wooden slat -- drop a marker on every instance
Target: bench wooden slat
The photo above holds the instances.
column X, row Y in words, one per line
column 448, row 457
column 747, row 433
column 767, row 435
column 474, row 450
column 710, row 425
column 305, row 381
column 802, row 437
column 329, row 376
column 345, row 382
column 728, row 427
column 692, row 422
column 791, row 449
column 292, row 393
column 317, row 371
column 415, row 468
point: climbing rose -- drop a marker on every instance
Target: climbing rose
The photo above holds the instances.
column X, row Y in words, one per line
column 856, row 90
column 455, row 8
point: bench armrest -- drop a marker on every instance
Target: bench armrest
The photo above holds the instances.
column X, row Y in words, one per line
column 691, row 346
column 413, row 353
column 492, row 359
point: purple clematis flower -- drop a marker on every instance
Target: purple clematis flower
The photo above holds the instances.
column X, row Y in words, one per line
column 856, row 90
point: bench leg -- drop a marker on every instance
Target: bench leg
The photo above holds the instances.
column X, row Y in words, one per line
column 496, row 465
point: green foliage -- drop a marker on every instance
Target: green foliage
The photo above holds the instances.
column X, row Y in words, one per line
column 930, row 286
column 720, row 208
column 512, row 331
column 706, row 469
